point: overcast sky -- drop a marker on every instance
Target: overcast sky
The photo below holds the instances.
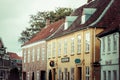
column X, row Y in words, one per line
column 15, row 15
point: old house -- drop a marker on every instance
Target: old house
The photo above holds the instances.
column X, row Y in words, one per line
column 73, row 52
column 34, row 53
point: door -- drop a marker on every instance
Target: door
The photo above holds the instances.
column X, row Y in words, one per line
column 79, row 73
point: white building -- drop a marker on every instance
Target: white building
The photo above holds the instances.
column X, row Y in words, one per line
column 110, row 52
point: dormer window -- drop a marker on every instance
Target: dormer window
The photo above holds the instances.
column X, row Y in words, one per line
column 68, row 21
column 87, row 12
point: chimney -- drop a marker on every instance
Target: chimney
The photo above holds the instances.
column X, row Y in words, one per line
column 47, row 22
column 89, row 1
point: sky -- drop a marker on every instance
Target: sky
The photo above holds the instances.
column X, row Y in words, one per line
column 15, row 15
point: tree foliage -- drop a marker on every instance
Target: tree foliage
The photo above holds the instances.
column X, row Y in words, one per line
column 37, row 22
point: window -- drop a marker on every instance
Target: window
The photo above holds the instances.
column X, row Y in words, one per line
column 109, row 75
column 114, row 41
column 28, row 56
column 66, row 74
column 87, row 42
column 28, row 75
column 103, row 47
column 104, row 75
column 59, row 48
column 59, row 74
column 53, row 49
column 38, row 76
column 72, row 74
column 114, row 74
column 87, row 73
column 38, row 54
column 79, row 44
column 49, row 50
column 43, row 53
column 24, row 56
column 72, row 45
column 33, row 55
column 65, row 46
column 109, row 42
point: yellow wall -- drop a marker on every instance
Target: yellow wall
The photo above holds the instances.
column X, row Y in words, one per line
column 86, row 58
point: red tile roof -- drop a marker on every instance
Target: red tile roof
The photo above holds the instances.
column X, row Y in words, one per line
column 46, row 32
column 14, row 56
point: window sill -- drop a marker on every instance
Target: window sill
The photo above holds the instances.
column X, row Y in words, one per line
column 87, row 52
column 72, row 54
column 65, row 55
column 59, row 56
column 78, row 53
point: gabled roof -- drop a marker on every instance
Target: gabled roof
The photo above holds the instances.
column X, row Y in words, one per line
column 113, row 27
column 46, row 32
column 14, row 56
column 105, row 9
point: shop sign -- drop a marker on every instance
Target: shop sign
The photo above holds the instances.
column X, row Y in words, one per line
column 77, row 61
column 65, row 59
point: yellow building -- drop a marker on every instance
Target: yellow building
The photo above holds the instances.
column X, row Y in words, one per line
column 73, row 51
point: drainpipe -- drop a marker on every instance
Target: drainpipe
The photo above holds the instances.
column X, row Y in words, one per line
column 94, row 49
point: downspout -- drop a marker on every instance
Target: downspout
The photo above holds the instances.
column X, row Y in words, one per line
column 94, row 51
column 94, row 44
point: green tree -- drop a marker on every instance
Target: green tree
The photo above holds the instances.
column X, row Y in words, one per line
column 37, row 22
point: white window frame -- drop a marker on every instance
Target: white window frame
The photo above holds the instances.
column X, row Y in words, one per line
column 87, row 42
column 53, row 49
column 43, row 53
column 87, row 73
column 38, row 53
column 28, row 55
column 109, row 43
column 24, row 56
column 33, row 55
column 49, row 50
column 72, row 46
column 65, row 47
column 115, row 42
column 59, row 48
column 78, row 44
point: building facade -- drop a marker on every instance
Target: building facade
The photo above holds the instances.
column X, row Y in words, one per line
column 110, row 51
column 4, row 62
column 34, row 53
column 70, row 57
column 73, row 52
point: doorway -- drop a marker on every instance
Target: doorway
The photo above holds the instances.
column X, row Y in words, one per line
column 43, row 75
column 79, row 73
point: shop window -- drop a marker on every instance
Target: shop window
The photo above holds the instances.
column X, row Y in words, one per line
column 87, row 73
column 72, row 74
